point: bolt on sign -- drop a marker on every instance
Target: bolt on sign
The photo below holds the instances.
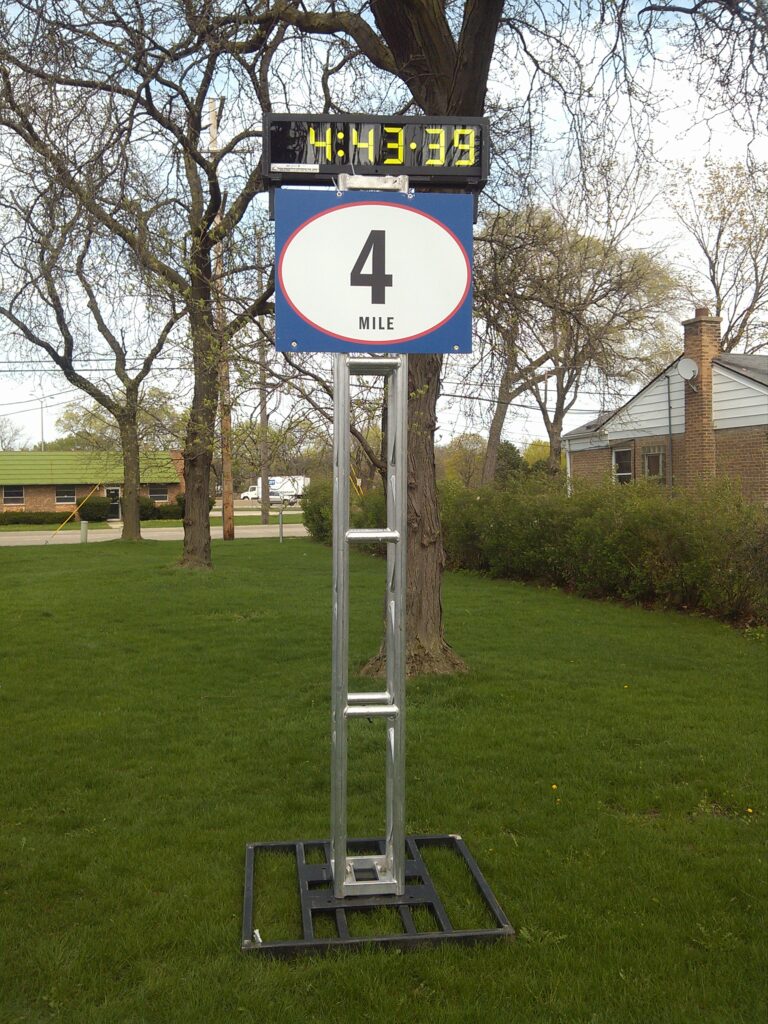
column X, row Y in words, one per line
column 373, row 271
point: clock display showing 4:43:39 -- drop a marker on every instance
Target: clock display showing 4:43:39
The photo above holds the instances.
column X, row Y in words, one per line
column 438, row 150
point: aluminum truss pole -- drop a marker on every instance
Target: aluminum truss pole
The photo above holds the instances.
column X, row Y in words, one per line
column 383, row 873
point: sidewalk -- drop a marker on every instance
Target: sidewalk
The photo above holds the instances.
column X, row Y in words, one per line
column 35, row 538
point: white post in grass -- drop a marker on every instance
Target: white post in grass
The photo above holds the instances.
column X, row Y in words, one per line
column 83, row 531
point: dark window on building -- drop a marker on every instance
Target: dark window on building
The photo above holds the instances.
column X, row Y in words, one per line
column 13, row 495
column 653, row 464
column 158, row 492
column 622, row 465
column 65, row 495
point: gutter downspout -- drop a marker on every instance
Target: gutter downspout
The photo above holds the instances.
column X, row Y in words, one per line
column 669, row 425
column 568, row 478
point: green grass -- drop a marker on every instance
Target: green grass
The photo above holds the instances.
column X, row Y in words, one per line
column 47, row 527
column 254, row 520
column 153, row 721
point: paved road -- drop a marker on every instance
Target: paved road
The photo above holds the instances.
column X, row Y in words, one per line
column 38, row 538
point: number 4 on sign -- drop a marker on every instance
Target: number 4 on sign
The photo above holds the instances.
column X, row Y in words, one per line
column 378, row 280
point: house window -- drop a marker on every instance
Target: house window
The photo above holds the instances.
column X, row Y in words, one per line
column 653, row 464
column 622, row 465
column 158, row 492
column 65, row 495
column 13, row 495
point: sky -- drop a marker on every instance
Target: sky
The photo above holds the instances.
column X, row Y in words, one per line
column 34, row 401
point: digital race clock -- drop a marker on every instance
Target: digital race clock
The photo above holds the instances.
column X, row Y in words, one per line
column 306, row 148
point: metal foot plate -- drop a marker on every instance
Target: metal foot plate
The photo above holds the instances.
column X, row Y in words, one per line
column 313, row 868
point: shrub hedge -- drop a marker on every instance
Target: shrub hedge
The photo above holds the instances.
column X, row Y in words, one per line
column 179, row 510
column 705, row 549
column 317, row 504
column 19, row 518
column 95, row 509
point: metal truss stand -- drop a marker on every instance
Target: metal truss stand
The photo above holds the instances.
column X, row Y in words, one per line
column 344, row 877
column 381, row 873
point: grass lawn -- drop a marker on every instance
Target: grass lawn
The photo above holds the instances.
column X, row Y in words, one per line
column 153, row 721
column 249, row 520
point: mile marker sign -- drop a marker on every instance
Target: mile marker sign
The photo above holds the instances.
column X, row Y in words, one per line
column 373, row 271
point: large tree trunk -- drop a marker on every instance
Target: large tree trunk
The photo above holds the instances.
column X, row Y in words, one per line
column 198, row 450
column 555, row 446
column 129, row 442
column 446, row 77
column 497, row 426
column 427, row 650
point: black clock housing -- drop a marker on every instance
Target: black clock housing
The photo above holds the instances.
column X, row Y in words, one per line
column 316, row 148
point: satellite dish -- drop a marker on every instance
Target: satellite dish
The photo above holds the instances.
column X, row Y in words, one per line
column 687, row 368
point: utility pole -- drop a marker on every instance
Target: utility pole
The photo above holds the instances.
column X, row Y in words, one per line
column 42, row 427
column 263, row 415
column 225, row 395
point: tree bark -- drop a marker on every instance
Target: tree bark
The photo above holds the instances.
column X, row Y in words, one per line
column 446, row 77
column 198, row 451
column 503, row 399
column 427, row 651
column 555, row 445
column 129, row 442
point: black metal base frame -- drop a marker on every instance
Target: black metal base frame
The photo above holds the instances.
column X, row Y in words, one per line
column 317, row 898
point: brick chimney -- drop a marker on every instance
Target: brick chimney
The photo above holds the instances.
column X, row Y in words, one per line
column 177, row 458
column 702, row 344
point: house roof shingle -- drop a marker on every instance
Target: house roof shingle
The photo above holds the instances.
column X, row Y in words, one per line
column 754, row 367
column 81, row 468
column 592, row 426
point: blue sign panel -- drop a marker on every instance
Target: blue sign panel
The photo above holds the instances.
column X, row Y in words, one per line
column 373, row 271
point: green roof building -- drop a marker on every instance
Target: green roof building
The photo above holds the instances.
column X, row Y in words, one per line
column 59, row 481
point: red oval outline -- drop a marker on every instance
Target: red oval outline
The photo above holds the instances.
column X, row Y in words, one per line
column 381, row 341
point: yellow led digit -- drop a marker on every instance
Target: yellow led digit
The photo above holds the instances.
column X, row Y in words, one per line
column 439, row 160
column 396, row 144
column 467, row 147
column 322, row 144
column 367, row 146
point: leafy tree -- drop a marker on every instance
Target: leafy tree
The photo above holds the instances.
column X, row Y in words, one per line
column 462, row 459
column 561, row 307
column 160, row 425
column 110, row 105
column 73, row 297
column 65, row 443
column 11, row 436
column 538, row 453
column 509, row 463
column 725, row 211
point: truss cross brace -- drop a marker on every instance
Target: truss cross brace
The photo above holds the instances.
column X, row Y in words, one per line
column 383, row 872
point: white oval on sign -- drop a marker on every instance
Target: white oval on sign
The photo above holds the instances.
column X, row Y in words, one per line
column 374, row 272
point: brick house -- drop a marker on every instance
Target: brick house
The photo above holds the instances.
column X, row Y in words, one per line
column 705, row 415
column 59, row 481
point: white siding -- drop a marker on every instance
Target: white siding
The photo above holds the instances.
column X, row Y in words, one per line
column 736, row 401
column 647, row 414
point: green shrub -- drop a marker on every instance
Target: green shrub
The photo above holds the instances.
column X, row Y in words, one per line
column 22, row 518
column 147, row 508
column 705, row 549
column 95, row 509
column 464, row 516
column 317, row 504
column 169, row 511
